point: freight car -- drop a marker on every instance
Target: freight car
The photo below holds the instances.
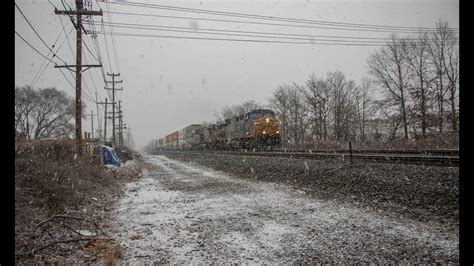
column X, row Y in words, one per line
column 255, row 129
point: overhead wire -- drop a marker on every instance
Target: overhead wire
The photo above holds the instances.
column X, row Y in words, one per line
column 113, row 39
column 34, row 47
column 67, row 36
column 96, row 46
column 41, row 70
column 87, row 48
column 37, row 78
column 106, row 46
column 224, row 20
column 37, row 34
column 226, row 33
column 341, row 25
column 310, row 42
column 72, row 86
column 92, row 79
column 87, row 91
column 118, row 24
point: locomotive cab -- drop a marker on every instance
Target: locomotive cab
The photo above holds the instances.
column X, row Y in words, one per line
column 265, row 126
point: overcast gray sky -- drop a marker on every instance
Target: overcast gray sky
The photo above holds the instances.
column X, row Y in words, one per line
column 170, row 83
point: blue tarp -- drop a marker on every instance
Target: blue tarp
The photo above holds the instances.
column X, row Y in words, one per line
column 110, row 156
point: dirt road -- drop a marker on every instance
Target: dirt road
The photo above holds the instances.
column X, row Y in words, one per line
column 184, row 213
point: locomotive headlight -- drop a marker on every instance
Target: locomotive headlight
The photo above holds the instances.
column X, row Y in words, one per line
column 268, row 120
column 264, row 132
column 278, row 131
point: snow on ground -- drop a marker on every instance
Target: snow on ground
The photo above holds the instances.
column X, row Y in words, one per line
column 184, row 213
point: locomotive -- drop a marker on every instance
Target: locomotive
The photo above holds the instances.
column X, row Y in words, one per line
column 258, row 128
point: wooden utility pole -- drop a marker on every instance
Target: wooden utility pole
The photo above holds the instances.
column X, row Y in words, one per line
column 119, row 128
column 129, row 138
column 98, row 120
column 78, row 25
column 92, row 123
column 113, row 99
column 105, row 120
column 120, row 124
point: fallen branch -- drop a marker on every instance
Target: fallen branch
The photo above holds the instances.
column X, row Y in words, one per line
column 32, row 252
column 66, row 217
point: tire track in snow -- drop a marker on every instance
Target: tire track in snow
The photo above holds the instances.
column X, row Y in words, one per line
column 184, row 213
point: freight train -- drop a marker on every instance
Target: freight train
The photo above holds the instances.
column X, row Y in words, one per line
column 255, row 129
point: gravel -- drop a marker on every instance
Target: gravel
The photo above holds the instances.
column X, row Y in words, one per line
column 226, row 209
column 425, row 193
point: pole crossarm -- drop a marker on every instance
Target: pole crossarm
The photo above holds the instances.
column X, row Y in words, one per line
column 69, row 67
column 80, row 12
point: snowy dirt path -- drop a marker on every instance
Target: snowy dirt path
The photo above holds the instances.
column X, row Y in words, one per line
column 184, row 213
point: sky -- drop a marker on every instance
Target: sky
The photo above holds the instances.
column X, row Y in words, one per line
column 170, row 83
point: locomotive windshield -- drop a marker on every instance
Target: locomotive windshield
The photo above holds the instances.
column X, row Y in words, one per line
column 261, row 113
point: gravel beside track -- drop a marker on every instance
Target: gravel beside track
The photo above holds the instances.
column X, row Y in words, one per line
column 424, row 193
column 182, row 212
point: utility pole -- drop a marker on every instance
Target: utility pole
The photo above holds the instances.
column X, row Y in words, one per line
column 92, row 123
column 105, row 120
column 120, row 124
column 98, row 120
column 129, row 138
column 119, row 128
column 78, row 25
column 113, row 99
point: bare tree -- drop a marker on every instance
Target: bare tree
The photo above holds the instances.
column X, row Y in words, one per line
column 390, row 69
column 417, row 55
column 280, row 102
column 43, row 113
column 26, row 101
column 451, row 68
column 238, row 109
column 298, row 114
column 438, row 48
column 318, row 95
column 344, row 110
column 365, row 106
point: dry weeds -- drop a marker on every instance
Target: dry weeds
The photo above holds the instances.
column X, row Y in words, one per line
column 61, row 204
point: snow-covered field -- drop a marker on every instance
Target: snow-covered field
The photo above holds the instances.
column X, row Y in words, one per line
column 184, row 213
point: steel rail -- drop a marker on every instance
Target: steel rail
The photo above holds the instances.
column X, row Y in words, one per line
column 397, row 158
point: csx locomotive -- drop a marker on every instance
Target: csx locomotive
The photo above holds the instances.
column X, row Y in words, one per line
column 255, row 129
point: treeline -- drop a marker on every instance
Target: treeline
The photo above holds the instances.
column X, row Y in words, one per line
column 43, row 113
column 411, row 92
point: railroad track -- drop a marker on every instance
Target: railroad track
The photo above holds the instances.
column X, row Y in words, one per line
column 445, row 152
column 425, row 157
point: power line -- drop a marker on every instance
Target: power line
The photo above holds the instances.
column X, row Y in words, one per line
column 97, row 46
column 67, row 36
column 106, row 46
column 72, row 86
column 253, row 32
column 93, row 83
column 37, row 34
column 41, row 70
column 44, row 69
column 86, row 97
column 87, row 47
column 243, row 40
column 34, row 48
column 113, row 40
column 356, row 26
column 262, row 34
column 242, row 21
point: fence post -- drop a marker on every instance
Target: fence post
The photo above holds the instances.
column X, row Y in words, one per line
column 350, row 151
